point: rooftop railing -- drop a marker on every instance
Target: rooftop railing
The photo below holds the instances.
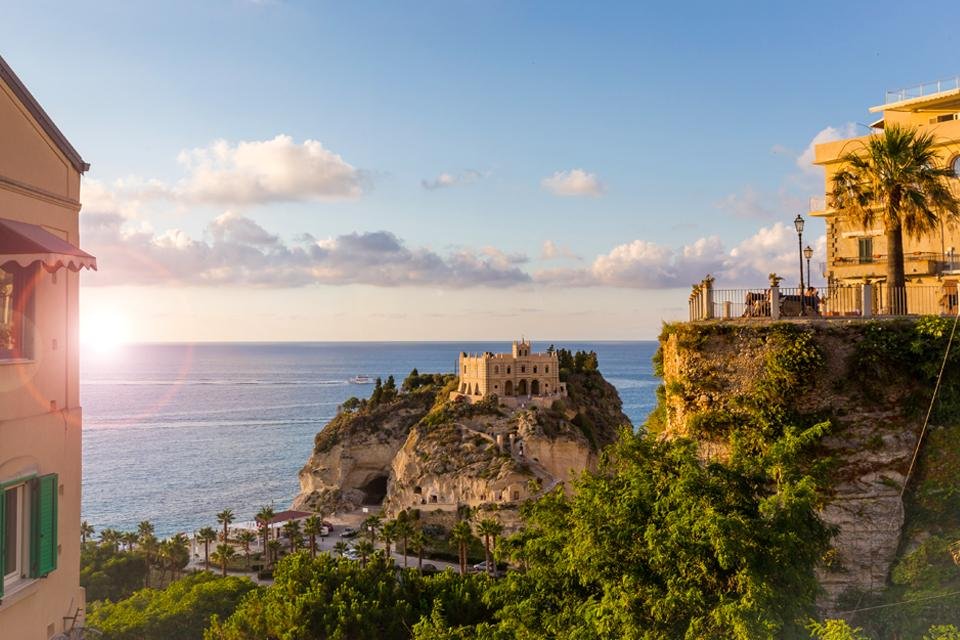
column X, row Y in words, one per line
column 837, row 301
column 921, row 90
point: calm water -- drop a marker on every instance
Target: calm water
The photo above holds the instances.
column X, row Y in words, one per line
column 176, row 433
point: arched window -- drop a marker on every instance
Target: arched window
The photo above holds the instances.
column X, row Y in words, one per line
column 534, row 368
column 496, row 369
column 546, row 369
column 523, row 368
column 508, row 369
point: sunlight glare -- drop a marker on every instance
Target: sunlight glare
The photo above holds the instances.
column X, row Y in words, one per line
column 104, row 331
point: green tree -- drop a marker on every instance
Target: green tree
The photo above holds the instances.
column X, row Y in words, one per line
column 223, row 554
column 462, row 535
column 943, row 632
column 388, row 534
column 377, row 395
column 246, row 538
column 340, row 548
column 897, row 177
column 273, row 551
column 263, row 518
column 108, row 573
column 419, row 543
column 489, row 529
column 225, row 518
column 404, row 529
column 291, row 529
column 181, row 611
column 313, row 527
column 364, row 549
column 371, row 524
column 205, row 536
column 86, row 531
column 835, row 630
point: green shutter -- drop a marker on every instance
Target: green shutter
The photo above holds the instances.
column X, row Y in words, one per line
column 3, row 536
column 43, row 539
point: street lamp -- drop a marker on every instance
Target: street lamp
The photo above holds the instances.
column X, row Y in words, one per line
column 798, row 224
column 808, row 253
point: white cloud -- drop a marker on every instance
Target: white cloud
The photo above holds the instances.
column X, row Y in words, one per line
column 642, row 264
column 236, row 250
column 828, row 134
column 552, row 251
column 451, row 180
column 575, row 182
column 749, row 203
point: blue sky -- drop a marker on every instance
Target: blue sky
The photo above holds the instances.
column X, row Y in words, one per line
column 685, row 119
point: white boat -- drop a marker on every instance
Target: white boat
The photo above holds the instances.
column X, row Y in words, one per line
column 361, row 380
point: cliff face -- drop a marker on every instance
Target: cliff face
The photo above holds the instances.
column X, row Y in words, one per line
column 426, row 452
column 870, row 380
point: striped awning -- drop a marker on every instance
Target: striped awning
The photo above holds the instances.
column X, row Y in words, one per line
column 26, row 244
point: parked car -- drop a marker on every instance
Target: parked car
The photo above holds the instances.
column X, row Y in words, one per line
column 481, row 567
column 430, row 568
column 348, row 532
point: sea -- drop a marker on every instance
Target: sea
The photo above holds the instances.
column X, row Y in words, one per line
column 175, row 433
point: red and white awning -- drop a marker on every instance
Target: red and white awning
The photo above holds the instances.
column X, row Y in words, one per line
column 26, row 244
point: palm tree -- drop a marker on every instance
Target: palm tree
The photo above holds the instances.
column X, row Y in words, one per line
column 223, row 555
column 206, row 535
column 462, row 534
column 340, row 548
column 371, row 525
column 246, row 538
column 388, row 533
column 273, row 551
column 129, row 539
column 149, row 546
column 364, row 549
column 86, row 531
column 404, row 531
column 489, row 528
column 896, row 176
column 263, row 517
column 178, row 553
column 291, row 529
column 225, row 518
column 313, row 526
column 419, row 542
column 145, row 528
column 110, row 538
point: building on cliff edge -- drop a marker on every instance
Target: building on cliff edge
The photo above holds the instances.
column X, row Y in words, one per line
column 519, row 378
column 40, row 417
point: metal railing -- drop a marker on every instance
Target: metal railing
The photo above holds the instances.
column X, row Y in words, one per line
column 923, row 89
column 838, row 301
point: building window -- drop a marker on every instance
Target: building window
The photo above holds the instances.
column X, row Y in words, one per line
column 955, row 165
column 16, row 304
column 496, row 369
column 523, row 369
column 28, row 530
column 865, row 250
column 534, row 368
column 508, row 369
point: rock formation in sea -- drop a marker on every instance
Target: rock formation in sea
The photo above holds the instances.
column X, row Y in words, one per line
column 424, row 450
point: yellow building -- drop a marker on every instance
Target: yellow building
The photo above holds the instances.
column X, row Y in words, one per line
column 521, row 375
column 40, row 416
column 856, row 255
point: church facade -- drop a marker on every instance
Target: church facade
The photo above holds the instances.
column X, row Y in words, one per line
column 519, row 375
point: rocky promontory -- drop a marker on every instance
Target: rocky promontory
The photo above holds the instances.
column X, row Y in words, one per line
column 419, row 448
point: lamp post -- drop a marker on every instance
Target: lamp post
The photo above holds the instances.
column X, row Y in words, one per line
column 808, row 253
column 798, row 224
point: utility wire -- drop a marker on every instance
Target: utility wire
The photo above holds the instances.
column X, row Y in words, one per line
column 933, row 398
column 897, row 604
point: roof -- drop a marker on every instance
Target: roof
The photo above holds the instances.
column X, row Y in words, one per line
column 45, row 122
column 24, row 244
column 284, row 516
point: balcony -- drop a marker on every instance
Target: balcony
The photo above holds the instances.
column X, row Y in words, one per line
column 923, row 90
column 914, row 264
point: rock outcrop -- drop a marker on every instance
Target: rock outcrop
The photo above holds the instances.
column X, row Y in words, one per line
column 424, row 451
column 875, row 405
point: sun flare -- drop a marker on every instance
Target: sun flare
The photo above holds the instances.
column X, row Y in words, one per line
column 104, row 331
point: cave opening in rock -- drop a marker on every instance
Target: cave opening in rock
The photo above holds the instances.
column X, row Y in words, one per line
column 374, row 490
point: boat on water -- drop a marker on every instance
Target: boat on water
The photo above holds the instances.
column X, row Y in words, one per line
column 361, row 380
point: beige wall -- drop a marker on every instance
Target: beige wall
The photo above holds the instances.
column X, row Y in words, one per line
column 924, row 260
column 40, row 416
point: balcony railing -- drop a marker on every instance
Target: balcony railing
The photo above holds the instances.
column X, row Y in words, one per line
column 838, row 301
column 936, row 262
column 921, row 90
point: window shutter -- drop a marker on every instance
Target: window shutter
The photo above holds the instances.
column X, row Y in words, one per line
column 43, row 541
column 3, row 536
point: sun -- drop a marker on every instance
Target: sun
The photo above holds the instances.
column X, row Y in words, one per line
column 104, row 331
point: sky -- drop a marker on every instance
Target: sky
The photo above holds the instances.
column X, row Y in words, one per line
column 449, row 170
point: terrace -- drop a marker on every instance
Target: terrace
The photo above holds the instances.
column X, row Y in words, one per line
column 836, row 301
